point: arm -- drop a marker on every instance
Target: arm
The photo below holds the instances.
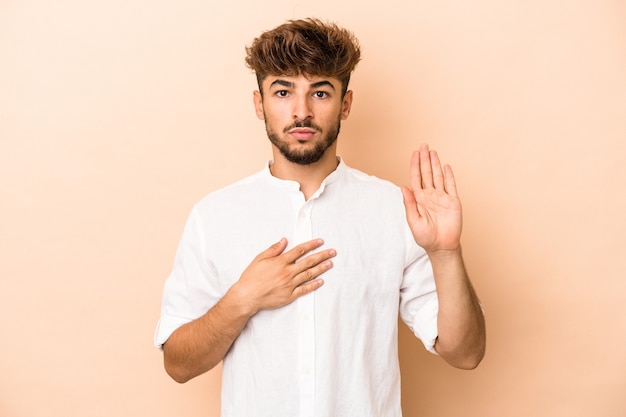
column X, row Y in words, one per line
column 460, row 321
column 273, row 279
column 434, row 214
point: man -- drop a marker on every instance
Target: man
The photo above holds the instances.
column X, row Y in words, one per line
column 295, row 276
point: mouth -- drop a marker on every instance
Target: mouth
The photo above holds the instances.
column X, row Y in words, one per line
column 301, row 133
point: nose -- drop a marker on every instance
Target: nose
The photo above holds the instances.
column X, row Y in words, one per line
column 302, row 108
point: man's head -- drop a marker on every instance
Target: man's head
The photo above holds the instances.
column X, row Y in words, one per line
column 307, row 47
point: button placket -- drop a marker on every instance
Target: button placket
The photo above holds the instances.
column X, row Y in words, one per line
column 306, row 323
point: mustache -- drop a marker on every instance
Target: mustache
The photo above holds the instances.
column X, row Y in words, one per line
column 302, row 123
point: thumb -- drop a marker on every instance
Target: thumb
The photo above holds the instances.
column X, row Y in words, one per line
column 410, row 205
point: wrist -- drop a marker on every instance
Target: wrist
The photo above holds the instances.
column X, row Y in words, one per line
column 238, row 302
column 445, row 253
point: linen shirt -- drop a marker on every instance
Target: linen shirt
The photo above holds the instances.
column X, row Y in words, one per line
column 333, row 352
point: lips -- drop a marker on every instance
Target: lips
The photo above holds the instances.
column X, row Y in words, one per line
column 302, row 133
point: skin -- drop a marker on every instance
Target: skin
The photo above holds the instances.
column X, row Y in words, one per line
column 433, row 211
column 286, row 100
column 274, row 278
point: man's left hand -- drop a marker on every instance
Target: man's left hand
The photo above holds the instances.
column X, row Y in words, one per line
column 433, row 208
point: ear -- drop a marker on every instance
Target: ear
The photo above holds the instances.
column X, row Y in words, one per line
column 346, row 105
column 258, row 105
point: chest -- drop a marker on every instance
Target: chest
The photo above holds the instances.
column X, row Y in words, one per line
column 370, row 244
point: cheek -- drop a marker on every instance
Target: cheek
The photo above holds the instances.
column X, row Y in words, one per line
column 275, row 115
column 266, row 110
column 273, row 123
column 332, row 118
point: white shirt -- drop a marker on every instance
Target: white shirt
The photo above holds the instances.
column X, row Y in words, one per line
column 332, row 352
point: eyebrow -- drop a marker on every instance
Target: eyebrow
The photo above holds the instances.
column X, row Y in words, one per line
column 290, row 84
column 283, row 83
column 322, row 84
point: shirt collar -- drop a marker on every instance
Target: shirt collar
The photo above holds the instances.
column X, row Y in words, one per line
column 294, row 185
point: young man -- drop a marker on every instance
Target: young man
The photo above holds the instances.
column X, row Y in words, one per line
column 295, row 276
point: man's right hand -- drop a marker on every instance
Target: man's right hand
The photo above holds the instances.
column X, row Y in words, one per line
column 272, row 280
column 276, row 278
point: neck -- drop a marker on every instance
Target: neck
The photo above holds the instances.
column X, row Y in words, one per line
column 310, row 177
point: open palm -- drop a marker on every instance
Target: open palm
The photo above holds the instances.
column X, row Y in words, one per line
column 433, row 208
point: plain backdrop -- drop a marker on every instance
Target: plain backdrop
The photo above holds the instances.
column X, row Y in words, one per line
column 117, row 116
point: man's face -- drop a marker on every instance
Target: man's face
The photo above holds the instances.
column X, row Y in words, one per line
column 302, row 115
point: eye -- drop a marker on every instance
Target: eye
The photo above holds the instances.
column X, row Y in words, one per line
column 282, row 93
column 320, row 94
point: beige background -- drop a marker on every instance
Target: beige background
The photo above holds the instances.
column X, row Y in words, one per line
column 117, row 116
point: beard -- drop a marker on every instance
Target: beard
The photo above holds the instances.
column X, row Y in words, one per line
column 304, row 156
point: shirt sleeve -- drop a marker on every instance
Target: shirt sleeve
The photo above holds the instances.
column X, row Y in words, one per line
column 419, row 303
column 192, row 287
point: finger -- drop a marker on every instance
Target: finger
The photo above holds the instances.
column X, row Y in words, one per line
column 274, row 250
column 415, row 176
column 425, row 166
column 310, row 274
column 450, row 181
column 410, row 205
column 313, row 260
column 302, row 249
column 437, row 171
column 307, row 287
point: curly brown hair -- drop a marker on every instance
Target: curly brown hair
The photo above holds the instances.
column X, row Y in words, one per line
column 304, row 47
